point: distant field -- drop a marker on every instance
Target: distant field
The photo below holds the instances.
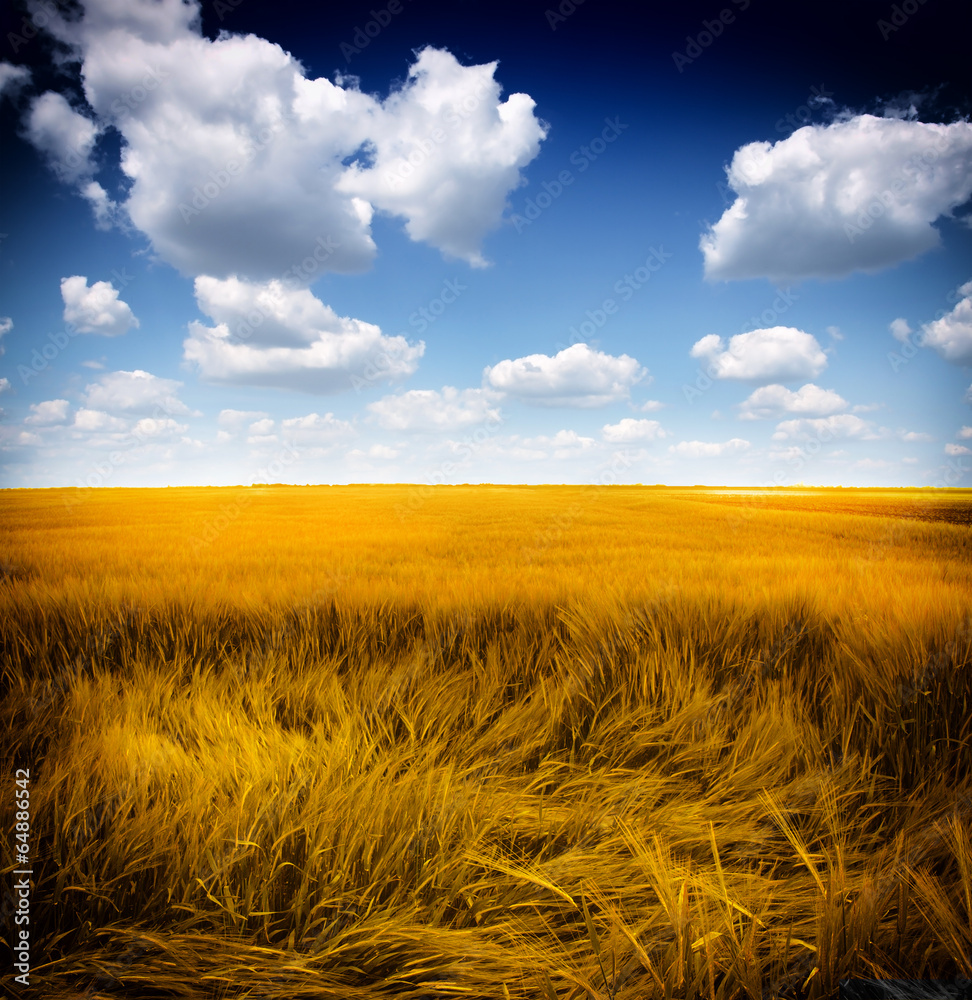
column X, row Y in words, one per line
column 487, row 742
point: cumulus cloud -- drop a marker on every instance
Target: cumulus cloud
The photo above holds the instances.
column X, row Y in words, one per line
column 153, row 427
column 840, row 425
column 629, row 429
column 87, row 419
column 5, row 385
column 232, row 421
column 828, row 200
column 576, row 376
column 772, row 401
column 780, row 353
column 96, row 309
column 51, row 411
column 951, row 336
column 431, row 410
column 269, row 334
column 6, row 325
column 563, row 444
column 12, row 78
column 136, row 392
column 65, row 136
column 965, row 433
column 914, row 436
column 709, row 449
column 957, row 449
column 444, row 136
column 651, row 406
column 900, row 330
column 239, row 162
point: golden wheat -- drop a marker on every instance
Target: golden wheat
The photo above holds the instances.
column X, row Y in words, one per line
column 559, row 742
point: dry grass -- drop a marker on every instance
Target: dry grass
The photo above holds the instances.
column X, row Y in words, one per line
column 545, row 742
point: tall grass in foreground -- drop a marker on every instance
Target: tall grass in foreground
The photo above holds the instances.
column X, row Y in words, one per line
column 674, row 787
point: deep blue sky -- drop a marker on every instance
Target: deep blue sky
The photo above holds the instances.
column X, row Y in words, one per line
column 557, row 361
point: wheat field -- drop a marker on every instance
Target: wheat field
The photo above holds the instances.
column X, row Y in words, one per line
column 489, row 742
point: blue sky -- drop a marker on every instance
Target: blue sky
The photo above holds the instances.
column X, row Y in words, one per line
column 727, row 243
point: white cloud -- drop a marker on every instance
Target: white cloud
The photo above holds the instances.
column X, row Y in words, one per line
column 12, row 78
column 576, row 376
column 447, row 153
column 564, row 444
column 65, row 136
column 957, row 449
column 227, row 137
column 860, row 194
column 841, row 425
column 431, row 410
column 6, row 325
column 915, row 436
column 232, row 421
column 87, row 419
column 152, row 427
column 632, row 430
column 834, row 333
column 965, row 433
column 772, row 401
column 105, row 210
column 709, row 449
column 136, row 392
column 51, row 411
column 951, row 336
column 96, row 309
column 899, row 329
column 264, row 426
column 650, row 406
column 5, row 385
column 315, row 429
column 267, row 334
column 779, row 353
